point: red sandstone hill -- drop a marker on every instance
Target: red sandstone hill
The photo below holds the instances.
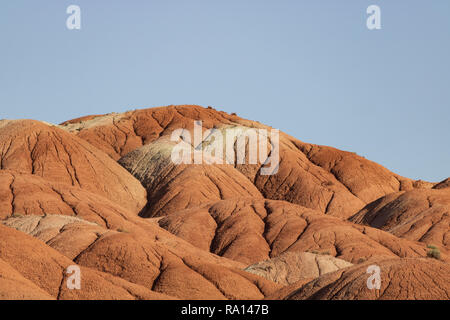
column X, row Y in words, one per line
column 401, row 279
column 420, row 215
column 101, row 192
column 36, row 148
column 329, row 180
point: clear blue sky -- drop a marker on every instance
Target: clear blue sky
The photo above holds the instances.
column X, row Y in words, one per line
column 310, row 68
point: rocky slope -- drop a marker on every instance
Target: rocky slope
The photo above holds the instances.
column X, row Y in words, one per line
column 102, row 192
column 37, row 148
column 322, row 178
column 401, row 279
column 420, row 215
column 251, row 230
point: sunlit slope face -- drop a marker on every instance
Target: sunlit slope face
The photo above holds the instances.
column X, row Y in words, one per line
column 407, row 279
column 36, row 148
column 173, row 187
column 421, row 215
